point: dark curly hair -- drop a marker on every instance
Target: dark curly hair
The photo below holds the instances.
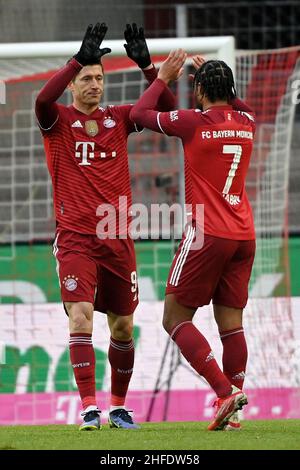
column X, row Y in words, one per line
column 216, row 81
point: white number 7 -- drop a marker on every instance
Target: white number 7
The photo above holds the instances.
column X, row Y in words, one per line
column 236, row 150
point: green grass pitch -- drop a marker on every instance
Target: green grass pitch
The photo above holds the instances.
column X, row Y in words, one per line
column 255, row 435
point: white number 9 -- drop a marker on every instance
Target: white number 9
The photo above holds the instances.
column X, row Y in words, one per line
column 134, row 284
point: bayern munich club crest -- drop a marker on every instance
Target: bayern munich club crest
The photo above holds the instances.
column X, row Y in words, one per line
column 109, row 123
column 91, row 128
column 70, row 282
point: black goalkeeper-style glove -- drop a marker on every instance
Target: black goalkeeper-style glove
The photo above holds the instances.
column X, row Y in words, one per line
column 89, row 52
column 136, row 46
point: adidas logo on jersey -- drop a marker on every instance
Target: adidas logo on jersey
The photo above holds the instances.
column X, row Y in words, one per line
column 77, row 124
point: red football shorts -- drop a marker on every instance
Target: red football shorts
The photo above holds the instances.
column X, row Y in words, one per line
column 102, row 272
column 219, row 271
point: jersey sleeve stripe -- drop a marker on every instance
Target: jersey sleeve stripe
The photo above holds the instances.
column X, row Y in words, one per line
column 159, row 125
column 249, row 116
column 48, row 128
column 137, row 129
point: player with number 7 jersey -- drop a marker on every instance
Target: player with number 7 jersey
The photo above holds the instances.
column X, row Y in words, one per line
column 217, row 138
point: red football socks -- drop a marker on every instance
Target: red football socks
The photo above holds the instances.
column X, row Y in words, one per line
column 235, row 355
column 83, row 362
column 198, row 353
column 121, row 358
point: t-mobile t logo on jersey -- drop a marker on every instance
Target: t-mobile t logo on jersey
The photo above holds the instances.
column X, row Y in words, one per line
column 84, row 152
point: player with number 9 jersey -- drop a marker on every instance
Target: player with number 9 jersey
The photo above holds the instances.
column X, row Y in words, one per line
column 86, row 150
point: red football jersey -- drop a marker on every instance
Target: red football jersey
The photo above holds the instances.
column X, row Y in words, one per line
column 88, row 163
column 217, row 147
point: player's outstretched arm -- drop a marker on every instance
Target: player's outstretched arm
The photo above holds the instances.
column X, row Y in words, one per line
column 144, row 111
column 46, row 109
column 137, row 50
column 89, row 53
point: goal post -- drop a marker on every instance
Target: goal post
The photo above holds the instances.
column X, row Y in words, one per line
column 221, row 47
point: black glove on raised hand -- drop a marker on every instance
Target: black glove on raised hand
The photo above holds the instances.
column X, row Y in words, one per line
column 89, row 52
column 136, row 46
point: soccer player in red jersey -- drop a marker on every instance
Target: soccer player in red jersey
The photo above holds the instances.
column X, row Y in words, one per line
column 86, row 150
column 217, row 141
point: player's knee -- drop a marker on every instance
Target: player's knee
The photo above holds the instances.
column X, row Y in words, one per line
column 81, row 320
column 174, row 314
column 122, row 330
column 228, row 318
column 80, row 324
column 167, row 321
column 170, row 313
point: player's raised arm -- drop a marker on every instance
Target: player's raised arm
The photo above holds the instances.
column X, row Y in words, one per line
column 137, row 50
column 46, row 109
column 144, row 111
column 90, row 53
